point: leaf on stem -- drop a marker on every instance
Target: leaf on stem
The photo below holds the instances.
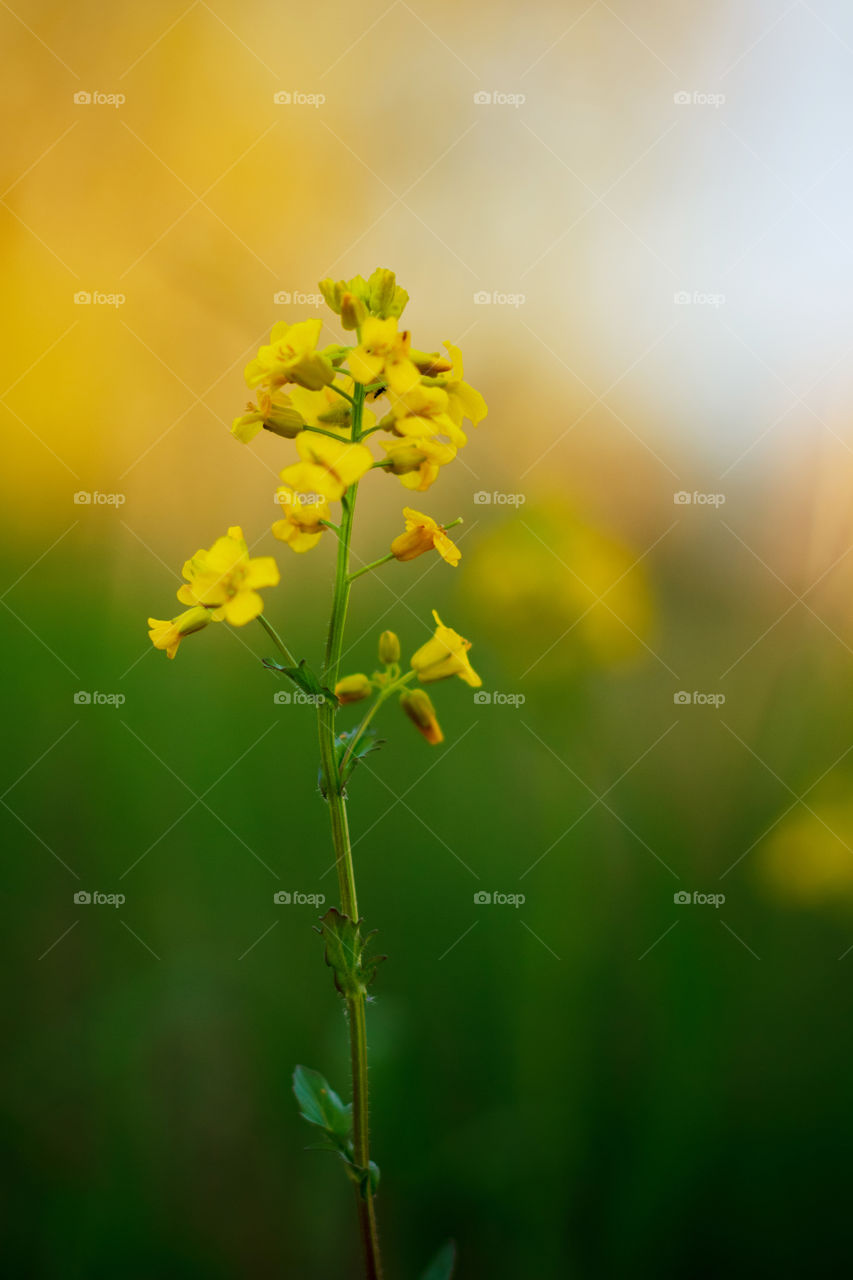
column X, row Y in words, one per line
column 320, row 1105
column 442, row 1265
column 343, row 752
column 346, row 953
column 304, row 678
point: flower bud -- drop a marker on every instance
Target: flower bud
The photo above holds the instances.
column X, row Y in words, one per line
column 417, row 705
column 385, row 297
column 331, row 291
column 352, row 689
column 353, row 312
column 389, row 648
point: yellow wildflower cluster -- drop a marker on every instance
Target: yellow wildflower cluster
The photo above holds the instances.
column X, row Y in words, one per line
column 317, row 397
column 428, row 401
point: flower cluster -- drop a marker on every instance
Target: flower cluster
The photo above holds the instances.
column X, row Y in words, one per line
column 318, row 397
column 427, row 397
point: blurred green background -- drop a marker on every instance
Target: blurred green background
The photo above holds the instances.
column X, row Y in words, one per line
column 601, row 1081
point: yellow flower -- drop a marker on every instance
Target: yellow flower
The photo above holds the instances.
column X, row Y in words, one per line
column 423, row 411
column 462, row 400
column 301, row 527
column 291, row 356
column 225, row 579
column 383, row 355
column 416, row 460
column 328, row 467
column 328, row 410
column 446, row 654
column 273, row 412
column 168, row 634
column 417, row 705
column 353, row 688
column 423, row 534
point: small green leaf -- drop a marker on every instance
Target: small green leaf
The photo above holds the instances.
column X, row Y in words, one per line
column 304, row 678
column 320, row 1105
column 346, row 953
column 369, row 742
column 442, row 1265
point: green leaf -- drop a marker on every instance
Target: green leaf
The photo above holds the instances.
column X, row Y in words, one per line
column 442, row 1265
column 369, row 742
column 346, row 953
column 320, row 1105
column 304, row 678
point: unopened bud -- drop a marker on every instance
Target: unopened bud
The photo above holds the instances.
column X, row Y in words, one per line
column 352, row 688
column 389, row 648
column 385, row 297
column 417, row 705
column 353, row 312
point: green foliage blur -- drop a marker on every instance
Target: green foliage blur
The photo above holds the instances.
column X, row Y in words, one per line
column 597, row 1083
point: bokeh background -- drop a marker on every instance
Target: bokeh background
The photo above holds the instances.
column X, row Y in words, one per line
column 654, row 201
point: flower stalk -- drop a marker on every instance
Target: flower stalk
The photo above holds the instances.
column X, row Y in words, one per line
column 316, row 398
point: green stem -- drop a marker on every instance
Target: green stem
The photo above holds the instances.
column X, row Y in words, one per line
column 277, row 640
column 374, row 564
column 343, row 859
column 383, row 696
column 321, row 431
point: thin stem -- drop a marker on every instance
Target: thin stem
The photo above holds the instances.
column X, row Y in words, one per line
column 383, row 697
column 374, row 564
column 343, row 858
column 321, row 431
column 277, row 640
column 341, row 392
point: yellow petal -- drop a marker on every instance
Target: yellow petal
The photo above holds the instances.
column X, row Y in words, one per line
column 243, row 607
